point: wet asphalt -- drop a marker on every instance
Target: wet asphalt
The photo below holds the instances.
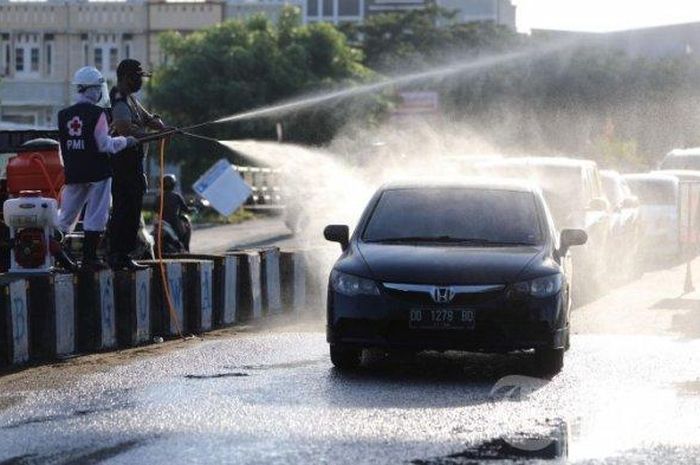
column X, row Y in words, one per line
column 629, row 393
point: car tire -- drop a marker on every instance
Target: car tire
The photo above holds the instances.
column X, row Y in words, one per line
column 344, row 358
column 549, row 361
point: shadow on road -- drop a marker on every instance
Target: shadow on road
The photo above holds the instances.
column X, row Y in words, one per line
column 426, row 381
column 687, row 324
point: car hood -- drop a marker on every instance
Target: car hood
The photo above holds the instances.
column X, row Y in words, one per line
column 431, row 264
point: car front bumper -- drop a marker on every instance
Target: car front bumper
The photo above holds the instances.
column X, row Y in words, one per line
column 499, row 325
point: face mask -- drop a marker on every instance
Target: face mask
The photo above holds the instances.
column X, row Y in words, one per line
column 136, row 83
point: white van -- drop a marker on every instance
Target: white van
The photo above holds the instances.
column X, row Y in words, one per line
column 681, row 159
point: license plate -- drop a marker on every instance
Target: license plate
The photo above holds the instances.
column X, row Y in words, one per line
column 441, row 318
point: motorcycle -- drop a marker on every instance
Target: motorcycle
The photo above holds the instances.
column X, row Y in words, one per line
column 172, row 242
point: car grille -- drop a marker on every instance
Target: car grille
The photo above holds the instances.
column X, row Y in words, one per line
column 423, row 294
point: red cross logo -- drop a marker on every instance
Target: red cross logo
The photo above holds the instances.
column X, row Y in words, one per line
column 75, row 127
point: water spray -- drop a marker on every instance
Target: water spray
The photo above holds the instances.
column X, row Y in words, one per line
column 473, row 66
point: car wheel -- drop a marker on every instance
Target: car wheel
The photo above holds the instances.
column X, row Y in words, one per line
column 344, row 358
column 549, row 361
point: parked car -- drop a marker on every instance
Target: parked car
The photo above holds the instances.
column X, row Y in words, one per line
column 574, row 193
column 659, row 208
column 681, row 159
column 625, row 224
column 689, row 210
column 462, row 265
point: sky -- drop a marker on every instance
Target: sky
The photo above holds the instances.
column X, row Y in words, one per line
column 603, row 15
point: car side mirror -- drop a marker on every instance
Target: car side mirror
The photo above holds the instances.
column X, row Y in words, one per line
column 338, row 233
column 570, row 238
column 630, row 202
column 598, row 204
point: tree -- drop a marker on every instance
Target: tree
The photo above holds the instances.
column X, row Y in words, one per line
column 238, row 66
column 427, row 36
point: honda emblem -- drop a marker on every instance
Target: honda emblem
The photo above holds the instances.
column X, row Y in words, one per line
column 443, row 295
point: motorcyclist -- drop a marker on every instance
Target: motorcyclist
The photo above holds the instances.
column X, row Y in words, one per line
column 174, row 208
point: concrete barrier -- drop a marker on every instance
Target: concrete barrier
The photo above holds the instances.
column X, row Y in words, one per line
column 52, row 315
column 271, row 289
column 163, row 321
column 133, row 303
column 223, row 281
column 48, row 316
column 249, row 285
column 14, row 322
column 229, row 315
column 293, row 280
column 97, row 329
column 199, row 291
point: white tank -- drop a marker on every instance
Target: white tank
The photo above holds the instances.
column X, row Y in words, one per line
column 31, row 221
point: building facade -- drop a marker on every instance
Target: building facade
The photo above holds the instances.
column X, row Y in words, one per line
column 42, row 43
column 354, row 11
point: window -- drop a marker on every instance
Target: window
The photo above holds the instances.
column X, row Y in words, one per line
column 7, row 59
column 113, row 58
column 312, row 8
column 327, row 7
column 349, row 7
column 34, row 59
column 19, row 60
column 49, row 58
column 85, row 55
column 98, row 59
column 127, row 51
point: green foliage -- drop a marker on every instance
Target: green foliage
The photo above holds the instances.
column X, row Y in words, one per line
column 239, row 66
column 418, row 38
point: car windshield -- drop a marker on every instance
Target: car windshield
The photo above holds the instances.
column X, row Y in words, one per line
column 455, row 215
column 653, row 192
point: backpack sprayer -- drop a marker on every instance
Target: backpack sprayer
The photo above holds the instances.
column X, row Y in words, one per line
column 31, row 213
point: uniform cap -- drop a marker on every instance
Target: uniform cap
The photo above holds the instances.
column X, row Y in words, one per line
column 131, row 67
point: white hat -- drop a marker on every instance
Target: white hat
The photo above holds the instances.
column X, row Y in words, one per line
column 88, row 77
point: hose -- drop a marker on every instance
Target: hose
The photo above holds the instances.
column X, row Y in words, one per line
column 159, row 249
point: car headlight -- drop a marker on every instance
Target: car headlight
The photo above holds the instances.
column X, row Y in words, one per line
column 350, row 285
column 539, row 287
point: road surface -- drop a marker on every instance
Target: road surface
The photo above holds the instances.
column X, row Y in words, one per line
column 258, row 231
column 629, row 393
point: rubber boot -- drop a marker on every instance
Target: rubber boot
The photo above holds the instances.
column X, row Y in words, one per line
column 91, row 262
column 124, row 262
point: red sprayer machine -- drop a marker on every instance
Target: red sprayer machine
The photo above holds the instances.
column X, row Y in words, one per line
column 34, row 181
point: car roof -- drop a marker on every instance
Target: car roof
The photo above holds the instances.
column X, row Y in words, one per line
column 479, row 183
column 655, row 176
column 694, row 152
column 537, row 163
column 681, row 174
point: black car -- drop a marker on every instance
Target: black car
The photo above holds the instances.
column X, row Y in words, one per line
column 465, row 265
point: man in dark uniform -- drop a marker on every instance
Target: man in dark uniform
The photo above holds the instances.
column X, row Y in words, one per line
column 129, row 118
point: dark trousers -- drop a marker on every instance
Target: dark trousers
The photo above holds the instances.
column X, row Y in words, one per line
column 127, row 200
